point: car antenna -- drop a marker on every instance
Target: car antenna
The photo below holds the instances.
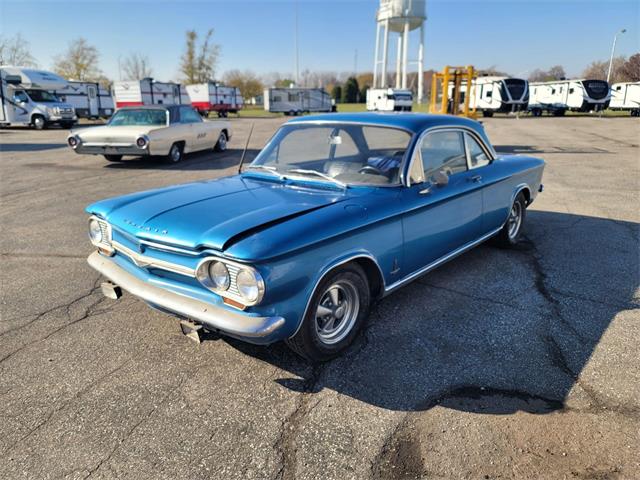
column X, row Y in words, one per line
column 246, row 146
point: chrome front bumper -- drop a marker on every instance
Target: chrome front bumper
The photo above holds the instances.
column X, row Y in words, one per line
column 212, row 316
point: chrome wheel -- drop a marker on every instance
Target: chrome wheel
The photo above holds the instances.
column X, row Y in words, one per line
column 175, row 154
column 38, row 122
column 515, row 220
column 337, row 312
column 222, row 142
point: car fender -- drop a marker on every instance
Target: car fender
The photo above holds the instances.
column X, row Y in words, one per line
column 342, row 259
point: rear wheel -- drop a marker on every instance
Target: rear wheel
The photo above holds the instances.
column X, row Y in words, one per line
column 175, row 153
column 512, row 229
column 221, row 145
column 113, row 158
column 336, row 313
column 38, row 122
column 487, row 113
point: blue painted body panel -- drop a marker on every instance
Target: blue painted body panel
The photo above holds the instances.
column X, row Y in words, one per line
column 293, row 232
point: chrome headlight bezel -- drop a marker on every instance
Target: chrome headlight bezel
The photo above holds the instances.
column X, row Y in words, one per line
column 77, row 141
column 104, row 241
column 231, row 291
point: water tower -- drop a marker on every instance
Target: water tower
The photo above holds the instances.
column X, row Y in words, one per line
column 401, row 17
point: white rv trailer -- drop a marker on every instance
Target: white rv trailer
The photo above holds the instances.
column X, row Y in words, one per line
column 558, row 96
column 626, row 96
column 90, row 99
column 149, row 92
column 295, row 101
column 27, row 100
column 493, row 94
column 389, row 100
column 211, row 97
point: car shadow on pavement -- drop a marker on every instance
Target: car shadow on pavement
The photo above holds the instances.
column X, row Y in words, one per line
column 29, row 147
column 494, row 331
column 208, row 160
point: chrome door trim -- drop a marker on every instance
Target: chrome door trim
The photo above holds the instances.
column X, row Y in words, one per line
column 438, row 262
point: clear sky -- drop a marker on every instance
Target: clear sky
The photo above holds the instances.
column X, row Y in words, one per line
column 514, row 36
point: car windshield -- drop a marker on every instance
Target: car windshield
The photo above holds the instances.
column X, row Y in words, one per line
column 144, row 116
column 42, row 96
column 345, row 154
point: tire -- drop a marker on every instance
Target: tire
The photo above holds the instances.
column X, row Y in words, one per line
column 221, row 144
column 113, row 158
column 38, row 122
column 176, row 153
column 316, row 340
column 559, row 113
column 511, row 231
column 487, row 113
column 536, row 112
column 67, row 125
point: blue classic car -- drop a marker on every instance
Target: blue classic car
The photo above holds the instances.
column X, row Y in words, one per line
column 335, row 212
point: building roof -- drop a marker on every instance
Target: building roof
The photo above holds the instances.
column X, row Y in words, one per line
column 414, row 122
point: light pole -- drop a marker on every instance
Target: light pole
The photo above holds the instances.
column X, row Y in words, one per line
column 613, row 49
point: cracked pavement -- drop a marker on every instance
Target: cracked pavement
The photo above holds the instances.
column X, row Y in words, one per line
column 501, row 364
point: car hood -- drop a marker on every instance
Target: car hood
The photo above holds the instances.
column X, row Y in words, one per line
column 107, row 132
column 212, row 214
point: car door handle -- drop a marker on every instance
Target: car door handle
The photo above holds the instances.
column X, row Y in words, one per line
column 475, row 178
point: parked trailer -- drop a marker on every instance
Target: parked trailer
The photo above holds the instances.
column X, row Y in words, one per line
column 211, row 97
column 575, row 95
column 626, row 96
column 149, row 92
column 294, row 101
column 27, row 99
column 492, row 94
column 389, row 100
column 90, row 99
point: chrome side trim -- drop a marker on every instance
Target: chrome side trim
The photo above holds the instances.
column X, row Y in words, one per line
column 213, row 316
column 144, row 261
column 328, row 270
column 439, row 262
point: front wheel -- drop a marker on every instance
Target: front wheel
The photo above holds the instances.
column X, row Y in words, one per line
column 221, row 144
column 512, row 229
column 38, row 122
column 336, row 313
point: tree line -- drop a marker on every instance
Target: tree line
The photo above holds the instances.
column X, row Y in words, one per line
column 199, row 61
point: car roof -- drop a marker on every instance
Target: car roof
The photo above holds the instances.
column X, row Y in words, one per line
column 414, row 122
column 153, row 107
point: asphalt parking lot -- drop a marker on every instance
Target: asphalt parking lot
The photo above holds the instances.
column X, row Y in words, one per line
column 501, row 364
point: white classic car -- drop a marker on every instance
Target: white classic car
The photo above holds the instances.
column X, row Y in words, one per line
column 163, row 130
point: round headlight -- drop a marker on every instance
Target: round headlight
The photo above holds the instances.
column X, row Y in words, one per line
column 248, row 285
column 219, row 275
column 95, row 232
column 142, row 142
column 73, row 141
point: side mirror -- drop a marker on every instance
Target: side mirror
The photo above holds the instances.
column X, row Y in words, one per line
column 440, row 178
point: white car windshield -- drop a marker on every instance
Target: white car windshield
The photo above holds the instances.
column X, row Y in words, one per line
column 139, row 117
column 339, row 153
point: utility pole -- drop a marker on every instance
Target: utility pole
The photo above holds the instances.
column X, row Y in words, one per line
column 295, row 43
column 613, row 49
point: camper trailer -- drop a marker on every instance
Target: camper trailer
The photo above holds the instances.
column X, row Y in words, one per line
column 27, row 99
column 149, row 92
column 626, row 96
column 389, row 100
column 491, row 95
column 295, row 101
column 90, row 99
column 558, row 96
column 211, row 97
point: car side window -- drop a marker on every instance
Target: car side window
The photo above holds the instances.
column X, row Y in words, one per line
column 443, row 151
column 477, row 156
column 189, row 115
column 20, row 96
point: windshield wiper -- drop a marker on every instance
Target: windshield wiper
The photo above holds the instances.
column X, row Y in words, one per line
column 267, row 168
column 304, row 171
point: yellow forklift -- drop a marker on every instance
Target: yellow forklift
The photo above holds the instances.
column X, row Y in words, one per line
column 448, row 87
